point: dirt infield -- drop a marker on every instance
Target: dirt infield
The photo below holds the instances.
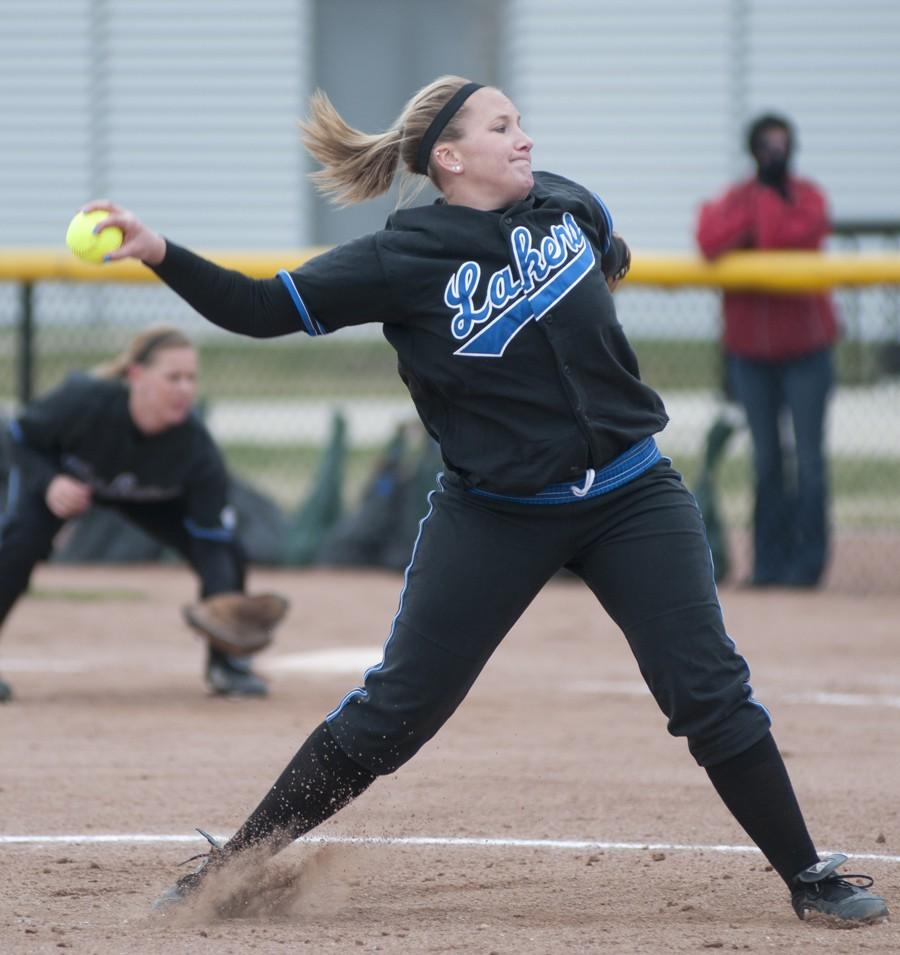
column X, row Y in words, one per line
column 552, row 814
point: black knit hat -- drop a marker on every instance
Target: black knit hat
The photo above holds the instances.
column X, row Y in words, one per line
column 765, row 122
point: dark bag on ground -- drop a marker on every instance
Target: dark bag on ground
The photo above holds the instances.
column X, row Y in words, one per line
column 381, row 531
column 706, row 493
column 323, row 506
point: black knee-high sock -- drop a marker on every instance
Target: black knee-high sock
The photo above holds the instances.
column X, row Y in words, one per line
column 315, row 784
column 755, row 786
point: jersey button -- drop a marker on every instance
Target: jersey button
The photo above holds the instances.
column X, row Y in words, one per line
column 567, row 368
column 508, row 221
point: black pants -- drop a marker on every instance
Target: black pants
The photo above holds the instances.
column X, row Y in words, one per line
column 28, row 530
column 477, row 564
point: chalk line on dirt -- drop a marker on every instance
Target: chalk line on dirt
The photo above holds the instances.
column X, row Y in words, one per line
column 456, row 842
column 354, row 660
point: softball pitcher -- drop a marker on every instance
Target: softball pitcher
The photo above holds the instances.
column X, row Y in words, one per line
column 497, row 300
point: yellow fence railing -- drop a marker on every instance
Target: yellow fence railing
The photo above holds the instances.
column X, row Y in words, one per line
column 777, row 271
column 272, row 405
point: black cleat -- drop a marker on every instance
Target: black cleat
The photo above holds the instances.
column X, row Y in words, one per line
column 820, row 891
column 188, row 884
column 228, row 675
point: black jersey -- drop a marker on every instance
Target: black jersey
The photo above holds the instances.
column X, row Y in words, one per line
column 504, row 327
column 83, row 428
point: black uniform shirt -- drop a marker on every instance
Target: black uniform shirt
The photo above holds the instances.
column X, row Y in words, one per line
column 505, row 329
column 83, row 428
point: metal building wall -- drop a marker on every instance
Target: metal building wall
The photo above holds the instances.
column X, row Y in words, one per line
column 835, row 67
column 183, row 111
column 630, row 99
column 396, row 47
column 647, row 102
column 45, row 88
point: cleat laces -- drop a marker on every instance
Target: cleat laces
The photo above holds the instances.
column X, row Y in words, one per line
column 843, row 881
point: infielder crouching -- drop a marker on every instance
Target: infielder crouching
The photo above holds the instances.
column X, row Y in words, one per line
column 124, row 437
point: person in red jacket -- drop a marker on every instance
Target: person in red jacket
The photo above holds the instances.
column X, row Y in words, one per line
column 779, row 357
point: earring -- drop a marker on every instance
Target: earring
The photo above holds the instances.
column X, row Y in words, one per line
column 457, row 168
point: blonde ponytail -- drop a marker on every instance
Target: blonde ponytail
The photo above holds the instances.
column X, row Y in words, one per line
column 359, row 166
column 142, row 350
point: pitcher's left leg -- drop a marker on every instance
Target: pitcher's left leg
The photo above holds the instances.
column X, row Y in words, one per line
column 653, row 574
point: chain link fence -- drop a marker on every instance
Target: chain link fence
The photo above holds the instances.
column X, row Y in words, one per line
column 271, row 404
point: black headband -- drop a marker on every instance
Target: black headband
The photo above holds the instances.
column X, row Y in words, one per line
column 448, row 111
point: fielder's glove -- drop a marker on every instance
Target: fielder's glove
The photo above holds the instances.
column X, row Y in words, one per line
column 237, row 623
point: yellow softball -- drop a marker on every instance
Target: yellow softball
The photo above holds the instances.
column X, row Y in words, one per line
column 83, row 242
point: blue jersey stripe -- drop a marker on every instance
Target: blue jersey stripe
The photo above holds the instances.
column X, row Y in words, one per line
column 492, row 340
column 12, row 499
column 360, row 691
column 207, row 533
column 310, row 324
column 14, row 480
column 609, row 221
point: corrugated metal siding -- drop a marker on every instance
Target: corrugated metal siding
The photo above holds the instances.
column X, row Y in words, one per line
column 200, row 112
column 647, row 102
column 458, row 38
column 631, row 99
column 44, row 91
column 834, row 67
column 183, row 111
